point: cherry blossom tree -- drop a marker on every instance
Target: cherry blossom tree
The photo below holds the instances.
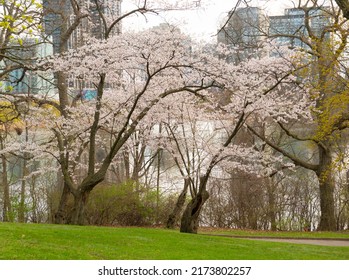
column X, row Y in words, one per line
column 322, row 37
column 141, row 69
column 97, row 19
column 203, row 135
column 257, row 95
column 139, row 76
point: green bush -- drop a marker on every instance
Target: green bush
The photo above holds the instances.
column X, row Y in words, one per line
column 128, row 204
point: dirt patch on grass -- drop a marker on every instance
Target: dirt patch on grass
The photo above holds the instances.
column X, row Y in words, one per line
column 342, row 242
column 309, row 241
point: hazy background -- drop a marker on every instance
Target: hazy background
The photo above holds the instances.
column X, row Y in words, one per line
column 201, row 23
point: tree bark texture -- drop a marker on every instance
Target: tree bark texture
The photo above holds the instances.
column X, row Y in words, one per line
column 173, row 217
column 60, row 216
column 344, row 6
column 22, row 206
column 6, row 201
column 190, row 217
column 327, row 219
column 271, row 188
column 326, row 189
column 80, row 201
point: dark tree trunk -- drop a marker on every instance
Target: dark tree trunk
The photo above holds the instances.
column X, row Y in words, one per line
column 326, row 188
column 7, row 202
column 344, row 6
column 327, row 219
column 61, row 215
column 21, row 209
column 80, row 201
column 190, row 217
column 173, row 217
column 272, row 204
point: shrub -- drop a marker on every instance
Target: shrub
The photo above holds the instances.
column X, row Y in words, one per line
column 127, row 204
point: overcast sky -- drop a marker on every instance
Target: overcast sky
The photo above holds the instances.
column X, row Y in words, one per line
column 203, row 22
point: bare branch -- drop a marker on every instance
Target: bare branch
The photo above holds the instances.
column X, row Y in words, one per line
column 294, row 159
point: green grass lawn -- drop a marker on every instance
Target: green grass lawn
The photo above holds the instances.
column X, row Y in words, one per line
column 38, row 242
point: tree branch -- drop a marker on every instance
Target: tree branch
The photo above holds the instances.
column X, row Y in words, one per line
column 344, row 6
column 294, row 159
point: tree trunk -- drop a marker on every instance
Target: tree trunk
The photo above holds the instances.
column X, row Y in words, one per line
column 80, row 201
column 61, row 215
column 327, row 219
column 344, row 6
column 190, row 218
column 272, row 204
column 7, row 202
column 35, row 217
column 173, row 217
column 326, row 188
column 21, row 210
column 158, row 187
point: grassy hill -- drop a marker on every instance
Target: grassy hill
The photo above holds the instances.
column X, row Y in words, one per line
column 63, row 242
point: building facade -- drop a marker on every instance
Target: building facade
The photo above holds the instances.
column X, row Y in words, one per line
column 245, row 31
column 293, row 23
column 59, row 16
column 20, row 81
column 248, row 27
